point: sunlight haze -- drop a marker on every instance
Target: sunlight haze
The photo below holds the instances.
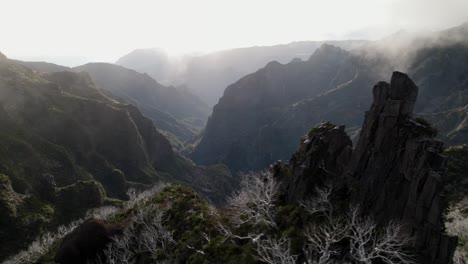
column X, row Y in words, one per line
column 74, row 32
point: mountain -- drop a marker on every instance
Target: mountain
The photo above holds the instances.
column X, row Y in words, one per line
column 173, row 110
column 379, row 175
column 329, row 203
column 67, row 147
column 176, row 112
column 44, row 67
column 154, row 62
column 281, row 102
column 208, row 75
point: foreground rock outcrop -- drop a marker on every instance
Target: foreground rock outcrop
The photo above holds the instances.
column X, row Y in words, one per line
column 396, row 172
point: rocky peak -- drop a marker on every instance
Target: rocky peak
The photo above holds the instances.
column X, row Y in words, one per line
column 396, row 172
column 321, row 157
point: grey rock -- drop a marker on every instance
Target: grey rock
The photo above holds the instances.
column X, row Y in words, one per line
column 396, row 172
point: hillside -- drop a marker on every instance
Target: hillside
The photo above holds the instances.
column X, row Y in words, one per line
column 66, row 147
column 175, row 111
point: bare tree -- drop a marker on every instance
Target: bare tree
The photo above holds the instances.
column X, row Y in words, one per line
column 460, row 256
column 274, row 251
column 320, row 203
column 367, row 243
column 146, row 234
column 457, row 225
column 322, row 239
column 153, row 235
column 42, row 244
column 254, row 203
column 121, row 249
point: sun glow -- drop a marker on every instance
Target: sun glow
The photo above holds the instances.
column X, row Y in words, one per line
column 104, row 30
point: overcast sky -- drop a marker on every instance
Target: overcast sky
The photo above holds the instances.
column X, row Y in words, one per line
column 76, row 31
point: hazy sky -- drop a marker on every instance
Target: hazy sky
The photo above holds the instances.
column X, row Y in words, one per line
column 72, row 32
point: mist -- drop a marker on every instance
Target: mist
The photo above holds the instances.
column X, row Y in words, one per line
column 77, row 31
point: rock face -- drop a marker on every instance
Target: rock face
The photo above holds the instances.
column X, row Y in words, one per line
column 260, row 117
column 321, row 157
column 396, row 172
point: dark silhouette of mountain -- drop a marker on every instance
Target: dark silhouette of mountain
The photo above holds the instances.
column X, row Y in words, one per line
column 379, row 175
column 208, row 75
column 282, row 101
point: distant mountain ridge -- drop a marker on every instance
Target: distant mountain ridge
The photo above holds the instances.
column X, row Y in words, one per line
column 257, row 119
column 208, row 75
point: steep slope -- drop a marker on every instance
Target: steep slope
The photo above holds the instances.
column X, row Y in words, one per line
column 175, row 111
column 65, row 146
column 390, row 145
column 271, row 106
column 280, row 102
column 208, row 75
column 395, row 173
column 172, row 110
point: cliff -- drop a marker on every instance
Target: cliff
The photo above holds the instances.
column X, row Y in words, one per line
column 396, row 172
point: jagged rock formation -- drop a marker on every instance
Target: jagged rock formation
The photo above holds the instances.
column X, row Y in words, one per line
column 270, row 106
column 259, row 117
column 322, row 155
column 396, row 172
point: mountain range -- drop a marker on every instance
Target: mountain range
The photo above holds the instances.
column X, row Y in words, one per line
column 208, row 75
column 259, row 117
